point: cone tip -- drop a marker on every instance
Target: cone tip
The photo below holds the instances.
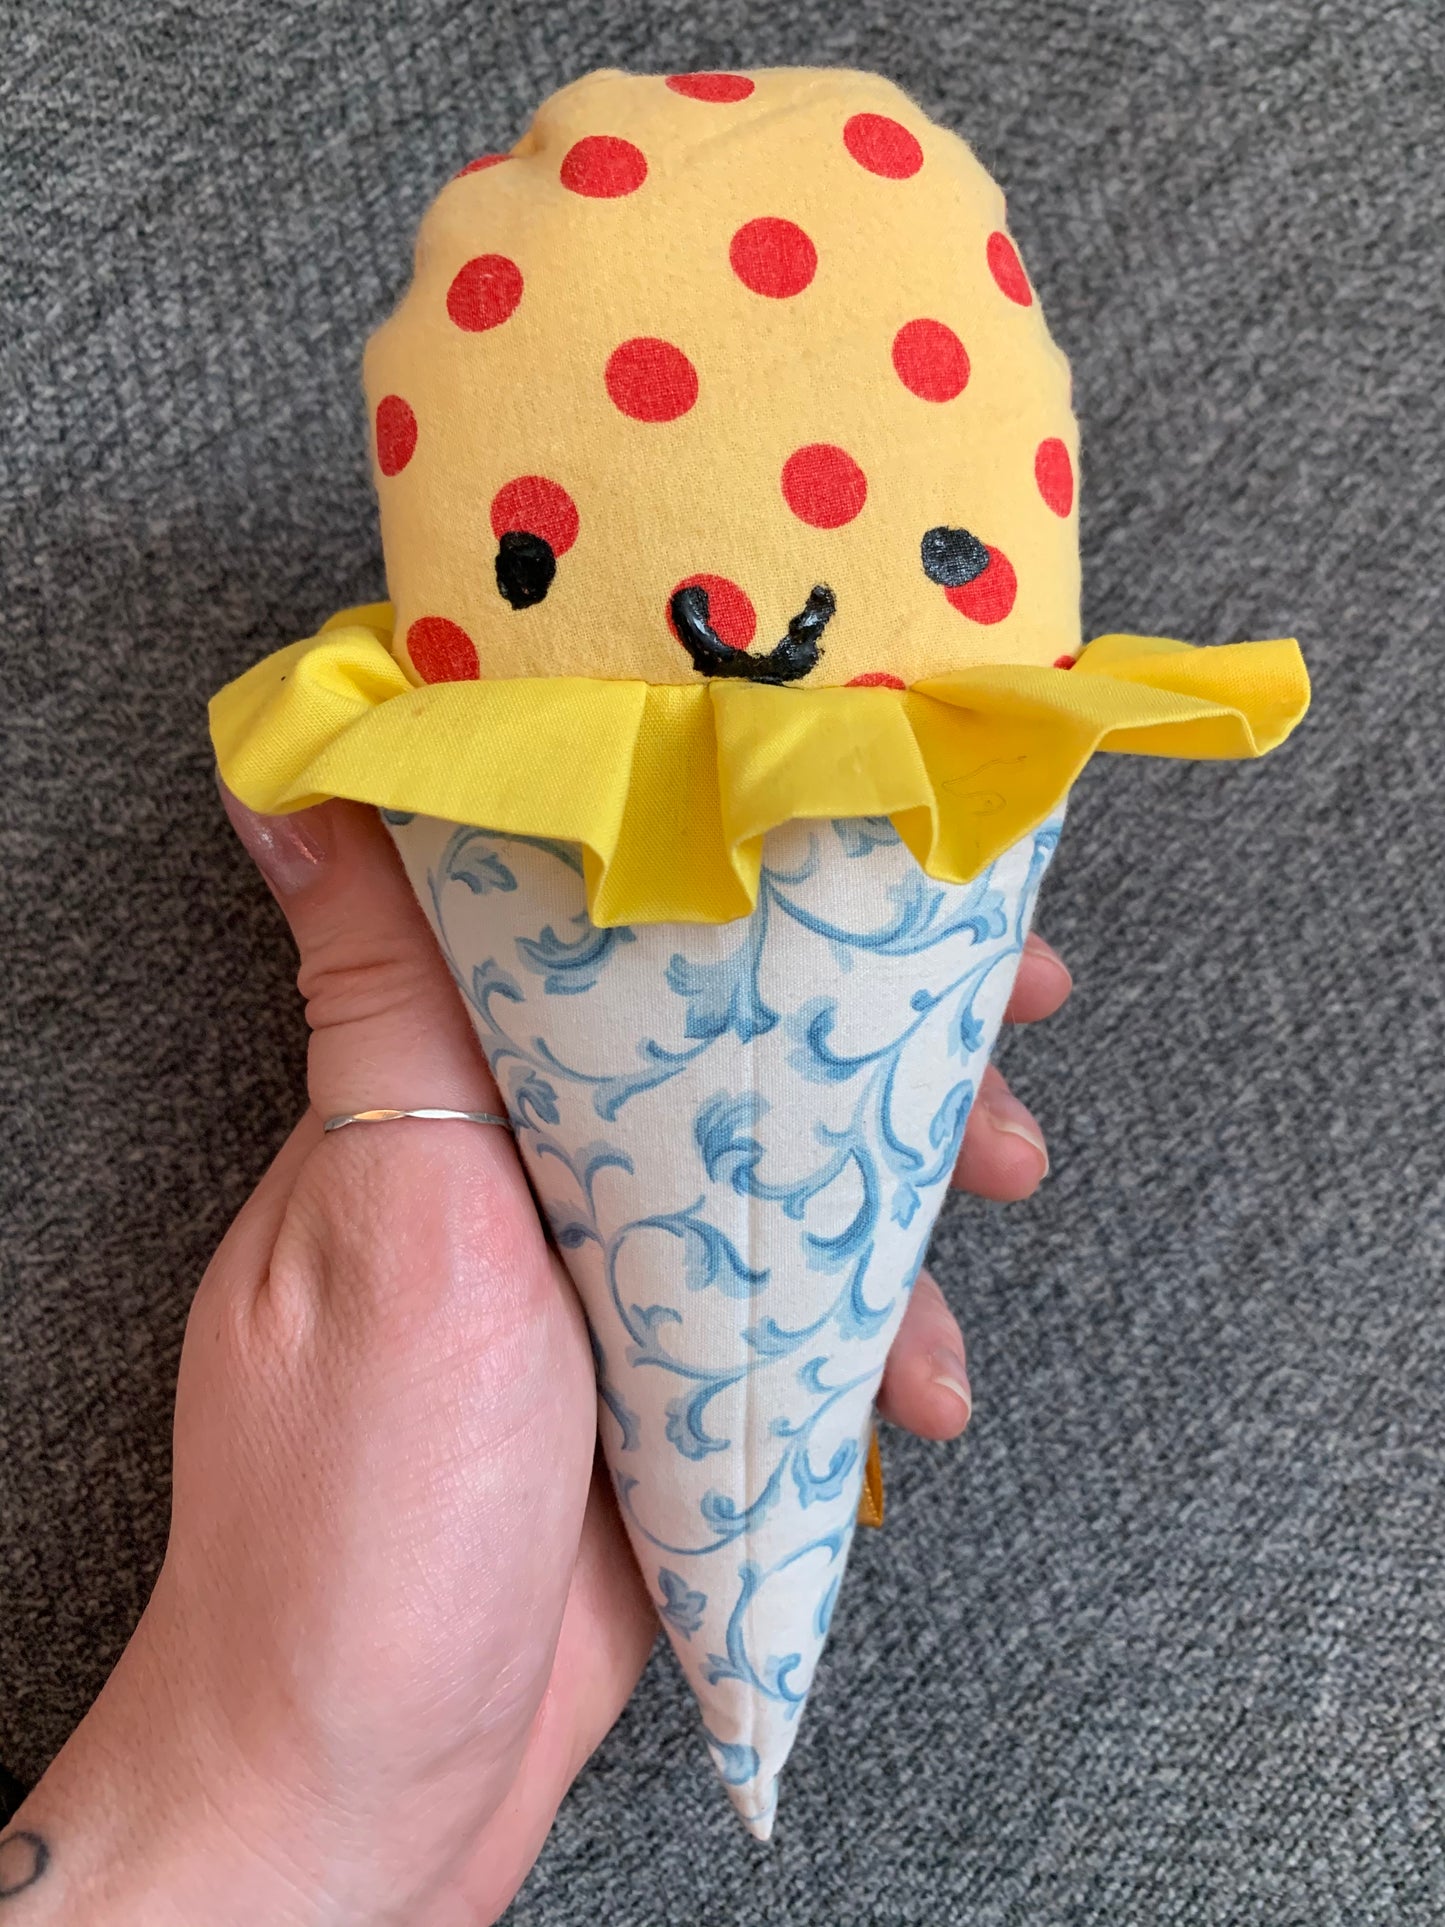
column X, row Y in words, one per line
column 758, row 1819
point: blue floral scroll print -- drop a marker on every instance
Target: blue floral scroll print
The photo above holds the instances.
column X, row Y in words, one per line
column 568, row 967
column 481, row 869
column 680, row 1606
column 739, row 1136
column 736, row 1763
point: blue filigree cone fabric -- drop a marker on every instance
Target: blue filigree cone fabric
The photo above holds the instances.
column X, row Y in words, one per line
column 741, row 1134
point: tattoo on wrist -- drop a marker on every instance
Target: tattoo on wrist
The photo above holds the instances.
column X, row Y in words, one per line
column 24, row 1858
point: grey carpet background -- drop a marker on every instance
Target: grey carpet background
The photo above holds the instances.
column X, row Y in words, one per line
column 1164, row 1641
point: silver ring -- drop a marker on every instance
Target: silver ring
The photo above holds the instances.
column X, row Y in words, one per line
column 388, row 1117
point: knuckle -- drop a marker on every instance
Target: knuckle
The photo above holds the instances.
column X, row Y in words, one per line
column 363, row 984
column 282, row 1316
column 472, row 1261
column 930, row 1299
column 252, row 1329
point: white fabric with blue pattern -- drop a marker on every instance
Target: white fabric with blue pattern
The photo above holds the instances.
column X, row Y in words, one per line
column 741, row 1135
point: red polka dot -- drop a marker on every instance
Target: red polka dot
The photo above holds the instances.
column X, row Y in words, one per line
column 1054, row 473
column 1065, row 662
column 730, row 613
column 485, row 160
column 533, row 505
column 883, row 146
column 772, row 256
column 395, row 434
column 441, row 651
column 990, row 596
column 823, row 485
column 650, row 380
column 877, row 679
column 718, row 87
column 603, row 167
column 485, row 292
column 930, row 360
column 1007, row 269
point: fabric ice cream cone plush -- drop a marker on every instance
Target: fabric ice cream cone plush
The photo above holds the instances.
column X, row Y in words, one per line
column 724, row 714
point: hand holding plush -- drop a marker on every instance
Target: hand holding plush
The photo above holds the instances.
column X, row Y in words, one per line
column 724, row 715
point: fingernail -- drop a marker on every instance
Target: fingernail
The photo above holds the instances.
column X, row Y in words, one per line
column 288, row 850
column 1014, row 1119
column 951, row 1374
column 1036, row 946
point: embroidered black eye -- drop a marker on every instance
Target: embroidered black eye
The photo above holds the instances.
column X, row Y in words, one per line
column 952, row 557
column 525, row 567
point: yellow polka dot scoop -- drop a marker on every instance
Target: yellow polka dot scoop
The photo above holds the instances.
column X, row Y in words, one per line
column 703, row 383
column 727, row 474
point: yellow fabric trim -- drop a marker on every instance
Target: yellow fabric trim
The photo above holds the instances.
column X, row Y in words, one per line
column 870, row 1499
column 670, row 788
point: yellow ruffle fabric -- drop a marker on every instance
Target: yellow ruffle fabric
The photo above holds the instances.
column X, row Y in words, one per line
column 669, row 789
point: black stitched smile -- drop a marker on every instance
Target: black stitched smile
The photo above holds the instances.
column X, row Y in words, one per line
column 786, row 661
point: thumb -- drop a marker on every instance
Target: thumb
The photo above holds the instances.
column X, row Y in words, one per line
column 388, row 1030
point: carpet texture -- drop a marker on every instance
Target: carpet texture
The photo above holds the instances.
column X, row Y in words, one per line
column 1164, row 1641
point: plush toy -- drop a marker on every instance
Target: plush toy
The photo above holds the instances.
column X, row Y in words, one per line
column 724, row 715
